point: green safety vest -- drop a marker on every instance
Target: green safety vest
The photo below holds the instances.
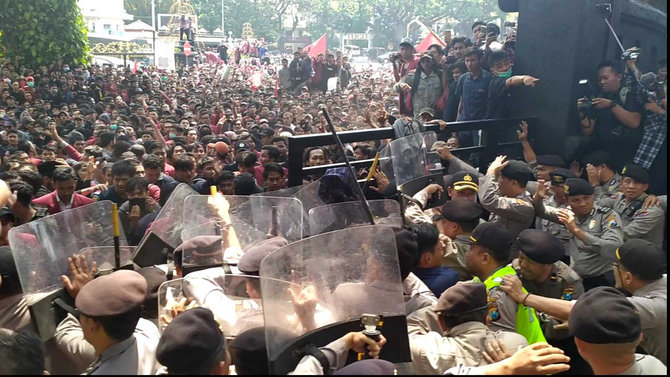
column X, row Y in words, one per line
column 527, row 323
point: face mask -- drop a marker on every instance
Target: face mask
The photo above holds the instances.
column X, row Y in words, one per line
column 30, row 84
column 137, row 202
column 66, row 69
column 507, row 74
column 172, row 136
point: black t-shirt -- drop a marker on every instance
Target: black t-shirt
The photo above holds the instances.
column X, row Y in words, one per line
column 498, row 100
column 612, row 135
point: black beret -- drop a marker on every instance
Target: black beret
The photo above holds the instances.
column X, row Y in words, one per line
column 408, row 250
column 464, row 180
column 192, row 339
column 577, row 186
column 559, row 176
column 154, row 277
column 462, row 298
column 250, row 263
column 113, row 294
column 598, row 158
column 249, row 349
column 637, row 172
column 642, row 258
column 461, row 210
column 370, row 367
column 492, row 236
column 550, row 160
column 518, row 171
column 604, row 315
column 540, row 246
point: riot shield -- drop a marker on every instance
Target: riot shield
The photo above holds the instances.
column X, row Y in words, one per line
column 99, row 255
column 41, row 247
column 409, row 156
column 324, row 286
column 169, row 222
column 284, row 193
column 338, row 216
column 415, row 166
column 232, row 299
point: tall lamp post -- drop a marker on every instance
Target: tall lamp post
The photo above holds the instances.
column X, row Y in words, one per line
column 153, row 26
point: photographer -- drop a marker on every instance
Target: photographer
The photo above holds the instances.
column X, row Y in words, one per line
column 614, row 116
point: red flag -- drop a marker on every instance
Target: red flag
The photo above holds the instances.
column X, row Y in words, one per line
column 135, row 68
column 430, row 39
column 317, row 47
column 255, row 80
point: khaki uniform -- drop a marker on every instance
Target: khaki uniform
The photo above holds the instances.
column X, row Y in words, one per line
column 454, row 258
column 434, row 353
column 14, row 313
column 515, row 214
column 638, row 222
column 608, row 189
column 135, row 355
column 563, row 283
column 557, row 230
column 651, row 301
column 645, row 365
column 604, row 234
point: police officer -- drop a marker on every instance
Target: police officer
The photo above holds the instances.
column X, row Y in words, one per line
column 459, row 217
column 487, row 260
column 541, row 167
column 461, row 313
column 639, row 270
column 607, row 329
column 109, row 320
column 597, row 231
column 638, row 222
column 506, row 198
column 542, row 273
column 602, row 174
column 557, row 199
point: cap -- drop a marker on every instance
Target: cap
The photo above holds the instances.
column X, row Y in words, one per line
column 642, row 258
column 250, row 263
column 518, row 171
column 370, row 367
column 113, row 294
column 461, row 210
column 492, row 236
column 426, row 55
column 105, row 118
column 192, row 338
column 437, row 145
column 407, row 42
column 241, row 146
column 462, row 298
column 603, row 315
column 463, row 181
column 598, row 158
column 201, row 245
column 550, row 160
column 558, row 176
column 540, row 246
column 577, row 186
column 245, row 184
column 263, row 120
column 266, row 131
column 637, row 172
column 427, row 110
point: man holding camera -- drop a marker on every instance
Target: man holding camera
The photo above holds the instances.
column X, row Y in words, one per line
column 403, row 62
column 614, row 116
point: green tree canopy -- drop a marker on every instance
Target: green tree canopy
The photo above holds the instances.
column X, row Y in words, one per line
column 42, row 32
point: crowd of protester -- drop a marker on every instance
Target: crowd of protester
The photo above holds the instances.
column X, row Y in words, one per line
column 580, row 226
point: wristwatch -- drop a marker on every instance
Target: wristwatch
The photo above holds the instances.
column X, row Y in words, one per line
column 613, row 104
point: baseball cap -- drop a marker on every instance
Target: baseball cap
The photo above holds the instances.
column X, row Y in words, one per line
column 427, row 110
column 241, row 146
column 492, row 236
column 407, row 42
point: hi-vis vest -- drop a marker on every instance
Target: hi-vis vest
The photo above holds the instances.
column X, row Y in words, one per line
column 527, row 323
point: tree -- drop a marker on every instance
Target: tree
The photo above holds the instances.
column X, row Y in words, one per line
column 43, row 32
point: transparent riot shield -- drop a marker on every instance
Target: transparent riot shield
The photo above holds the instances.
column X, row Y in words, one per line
column 281, row 215
column 322, row 287
column 169, row 222
column 234, row 299
column 338, row 216
column 100, row 255
column 409, row 156
column 284, row 193
column 41, row 247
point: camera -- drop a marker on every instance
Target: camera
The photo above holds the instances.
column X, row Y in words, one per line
column 630, row 55
column 587, row 105
column 395, row 56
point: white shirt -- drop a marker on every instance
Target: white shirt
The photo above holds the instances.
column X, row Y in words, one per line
column 63, row 206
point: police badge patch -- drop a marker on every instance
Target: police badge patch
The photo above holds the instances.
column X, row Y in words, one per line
column 611, row 221
column 494, row 314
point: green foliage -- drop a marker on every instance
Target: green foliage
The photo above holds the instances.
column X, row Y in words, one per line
column 42, row 32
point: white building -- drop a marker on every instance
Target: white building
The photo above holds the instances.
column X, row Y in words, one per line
column 104, row 19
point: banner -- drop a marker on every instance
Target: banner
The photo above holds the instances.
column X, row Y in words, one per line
column 165, row 55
